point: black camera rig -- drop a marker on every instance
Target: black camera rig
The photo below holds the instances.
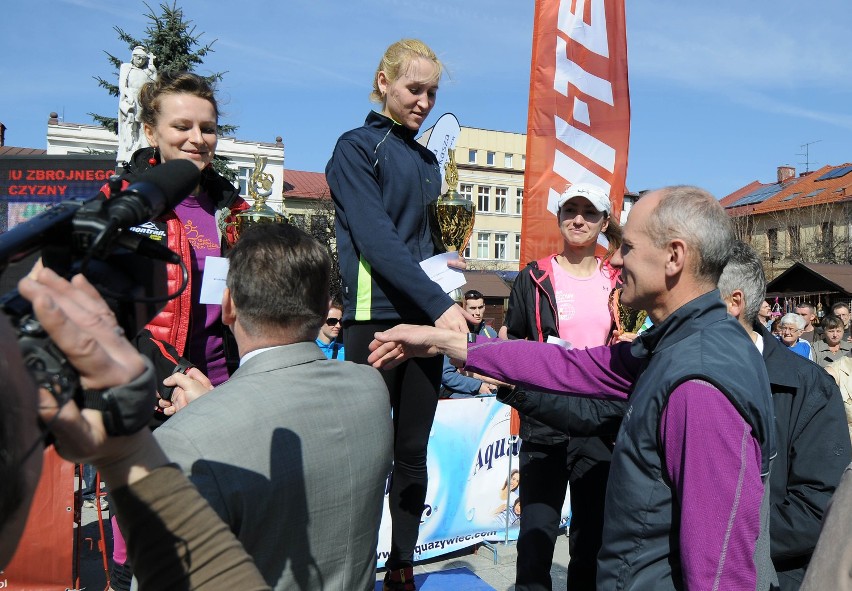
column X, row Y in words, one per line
column 94, row 237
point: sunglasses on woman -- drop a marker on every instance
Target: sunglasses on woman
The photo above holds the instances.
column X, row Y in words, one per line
column 332, row 321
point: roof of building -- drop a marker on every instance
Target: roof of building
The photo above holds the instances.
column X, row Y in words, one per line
column 829, row 184
column 488, row 283
column 305, row 185
column 812, row 278
column 13, row 151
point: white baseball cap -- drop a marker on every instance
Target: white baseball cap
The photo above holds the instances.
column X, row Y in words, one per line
column 598, row 197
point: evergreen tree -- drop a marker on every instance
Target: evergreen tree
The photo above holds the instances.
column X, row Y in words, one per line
column 176, row 46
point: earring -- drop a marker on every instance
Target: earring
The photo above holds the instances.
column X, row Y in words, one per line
column 155, row 159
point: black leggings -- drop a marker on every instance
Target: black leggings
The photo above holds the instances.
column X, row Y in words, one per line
column 545, row 473
column 413, row 413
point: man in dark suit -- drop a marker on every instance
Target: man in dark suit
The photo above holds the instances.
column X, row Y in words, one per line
column 293, row 451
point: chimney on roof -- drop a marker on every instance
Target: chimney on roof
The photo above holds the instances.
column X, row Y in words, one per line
column 2, row 135
column 786, row 172
column 54, row 119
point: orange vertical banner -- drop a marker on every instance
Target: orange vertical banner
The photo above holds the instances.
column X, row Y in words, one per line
column 44, row 560
column 578, row 127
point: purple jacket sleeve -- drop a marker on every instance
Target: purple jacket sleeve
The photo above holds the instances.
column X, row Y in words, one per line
column 713, row 463
column 599, row 372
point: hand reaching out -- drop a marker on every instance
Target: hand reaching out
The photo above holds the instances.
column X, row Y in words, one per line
column 404, row 341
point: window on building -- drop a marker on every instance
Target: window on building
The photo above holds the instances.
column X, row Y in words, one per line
column 500, row 246
column 507, row 160
column 298, row 220
column 524, row 161
column 828, row 234
column 489, row 158
column 772, row 244
column 243, row 176
column 794, row 233
column 466, row 253
column 519, row 201
column 517, row 247
column 466, row 191
column 471, row 156
column 500, row 199
column 484, row 195
column 482, row 245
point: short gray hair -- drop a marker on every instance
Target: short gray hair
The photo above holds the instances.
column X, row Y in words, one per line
column 794, row 319
column 744, row 272
column 694, row 216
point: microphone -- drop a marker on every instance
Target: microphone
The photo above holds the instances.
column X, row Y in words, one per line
column 155, row 191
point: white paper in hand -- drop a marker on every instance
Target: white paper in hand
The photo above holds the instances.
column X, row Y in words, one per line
column 449, row 278
column 213, row 282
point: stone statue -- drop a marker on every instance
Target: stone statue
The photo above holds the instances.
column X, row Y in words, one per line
column 131, row 78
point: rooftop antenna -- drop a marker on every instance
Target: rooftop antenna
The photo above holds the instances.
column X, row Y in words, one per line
column 806, row 148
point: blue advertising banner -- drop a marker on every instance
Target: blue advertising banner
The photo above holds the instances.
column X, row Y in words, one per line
column 473, row 481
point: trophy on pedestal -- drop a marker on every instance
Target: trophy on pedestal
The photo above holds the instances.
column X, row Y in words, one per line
column 455, row 214
column 259, row 188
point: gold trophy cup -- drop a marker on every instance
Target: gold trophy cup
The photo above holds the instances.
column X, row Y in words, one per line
column 627, row 320
column 259, row 188
column 455, row 214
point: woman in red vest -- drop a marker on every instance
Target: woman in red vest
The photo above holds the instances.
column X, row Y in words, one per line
column 180, row 116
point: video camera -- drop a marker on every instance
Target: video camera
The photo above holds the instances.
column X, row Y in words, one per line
column 93, row 237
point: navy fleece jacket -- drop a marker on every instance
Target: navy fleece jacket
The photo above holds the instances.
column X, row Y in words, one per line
column 382, row 183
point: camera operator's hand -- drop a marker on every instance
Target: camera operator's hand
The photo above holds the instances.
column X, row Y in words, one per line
column 81, row 324
column 85, row 329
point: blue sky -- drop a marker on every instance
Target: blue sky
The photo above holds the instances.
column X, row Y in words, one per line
column 721, row 93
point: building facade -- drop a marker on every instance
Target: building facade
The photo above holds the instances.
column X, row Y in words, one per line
column 804, row 218
column 307, row 204
column 78, row 138
column 491, row 174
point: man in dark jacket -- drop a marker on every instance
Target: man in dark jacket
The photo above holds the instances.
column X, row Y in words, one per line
column 812, row 439
column 455, row 384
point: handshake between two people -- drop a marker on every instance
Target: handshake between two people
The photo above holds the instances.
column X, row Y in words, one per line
column 404, row 341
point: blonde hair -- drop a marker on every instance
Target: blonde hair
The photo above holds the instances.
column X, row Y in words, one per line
column 397, row 58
